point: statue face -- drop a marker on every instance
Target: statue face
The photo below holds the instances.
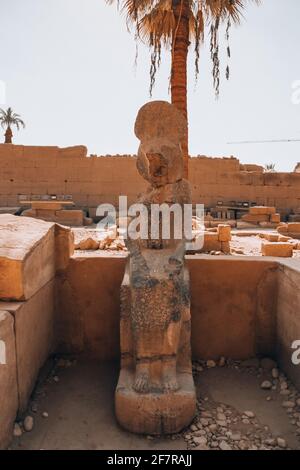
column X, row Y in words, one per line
column 158, row 169
column 160, row 162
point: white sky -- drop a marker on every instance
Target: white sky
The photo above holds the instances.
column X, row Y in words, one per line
column 68, row 66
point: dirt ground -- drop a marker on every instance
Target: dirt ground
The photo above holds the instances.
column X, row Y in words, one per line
column 73, row 408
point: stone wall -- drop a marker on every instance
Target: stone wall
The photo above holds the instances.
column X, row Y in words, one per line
column 233, row 306
column 288, row 318
column 91, row 181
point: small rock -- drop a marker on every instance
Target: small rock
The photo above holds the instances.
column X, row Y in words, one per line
column 270, row 442
column 269, row 398
column 222, row 424
column 298, row 402
column 221, row 417
column 34, row 407
column 204, row 421
column 283, row 385
column 45, row 414
column 275, row 373
column 266, row 385
column 268, row 364
column 214, row 445
column 281, row 443
column 245, row 421
column 224, row 446
column 206, row 414
column 249, row 414
column 243, row 445
column 288, row 404
column 213, row 427
column 56, row 379
column 202, row 447
column 284, row 393
column 222, row 362
column 194, row 428
column 210, row 364
column 17, row 430
column 28, row 423
column 200, row 440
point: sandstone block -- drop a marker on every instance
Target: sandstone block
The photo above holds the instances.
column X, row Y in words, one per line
column 225, row 247
column 275, row 218
column 281, row 250
column 294, row 227
column 70, row 217
column 256, row 218
column 47, row 205
column 29, row 213
column 64, row 246
column 33, row 324
column 211, row 242
column 283, row 229
column 89, row 243
column 27, row 256
column 46, row 214
column 224, row 233
column 283, row 238
column 271, row 237
column 8, row 379
column 262, row 210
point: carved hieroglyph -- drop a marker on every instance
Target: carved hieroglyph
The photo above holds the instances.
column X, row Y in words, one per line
column 155, row 392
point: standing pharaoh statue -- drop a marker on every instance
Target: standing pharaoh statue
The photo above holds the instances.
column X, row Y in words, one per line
column 155, row 392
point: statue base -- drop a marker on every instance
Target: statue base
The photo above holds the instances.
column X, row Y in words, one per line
column 155, row 413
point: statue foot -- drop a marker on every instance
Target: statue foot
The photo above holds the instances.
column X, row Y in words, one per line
column 169, row 376
column 141, row 383
column 171, row 384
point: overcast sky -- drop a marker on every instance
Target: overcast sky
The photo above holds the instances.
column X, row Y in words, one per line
column 68, row 66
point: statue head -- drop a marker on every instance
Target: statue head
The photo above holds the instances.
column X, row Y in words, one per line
column 160, row 128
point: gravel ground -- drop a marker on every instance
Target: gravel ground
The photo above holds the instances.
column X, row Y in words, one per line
column 248, row 405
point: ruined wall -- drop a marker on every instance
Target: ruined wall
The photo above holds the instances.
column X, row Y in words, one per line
column 288, row 317
column 91, row 181
column 233, row 306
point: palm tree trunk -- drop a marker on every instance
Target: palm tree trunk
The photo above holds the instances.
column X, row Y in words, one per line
column 179, row 68
column 8, row 136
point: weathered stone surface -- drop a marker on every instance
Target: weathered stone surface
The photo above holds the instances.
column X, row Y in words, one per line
column 224, row 233
column 27, row 256
column 281, row 250
column 262, row 210
column 8, row 378
column 33, row 324
column 275, row 218
column 155, row 393
column 64, row 246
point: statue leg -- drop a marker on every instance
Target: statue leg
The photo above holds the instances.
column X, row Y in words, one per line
column 142, row 376
column 169, row 358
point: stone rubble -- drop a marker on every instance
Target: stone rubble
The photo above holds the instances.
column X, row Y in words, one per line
column 218, row 426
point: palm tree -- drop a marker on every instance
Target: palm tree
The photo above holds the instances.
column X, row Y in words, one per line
column 7, row 119
column 174, row 24
column 270, row 168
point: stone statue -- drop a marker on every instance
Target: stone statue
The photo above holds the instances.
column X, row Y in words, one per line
column 155, row 393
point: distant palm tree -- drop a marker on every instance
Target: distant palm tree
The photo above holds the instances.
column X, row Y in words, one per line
column 270, row 168
column 174, row 24
column 7, row 119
